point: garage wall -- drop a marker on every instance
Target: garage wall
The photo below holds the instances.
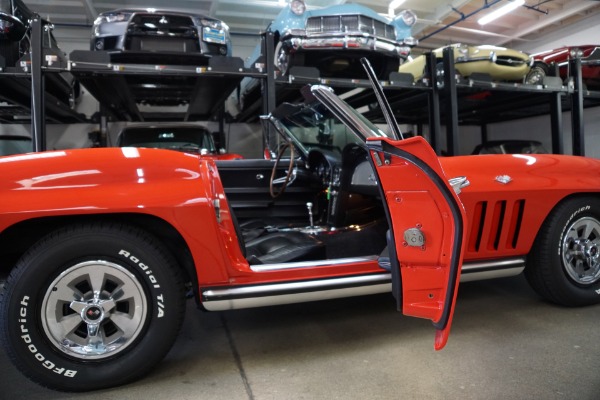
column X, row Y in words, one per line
column 586, row 31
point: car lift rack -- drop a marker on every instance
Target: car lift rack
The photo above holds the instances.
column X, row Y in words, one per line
column 122, row 88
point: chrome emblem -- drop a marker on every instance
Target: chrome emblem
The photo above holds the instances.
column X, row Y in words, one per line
column 503, row 179
column 163, row 20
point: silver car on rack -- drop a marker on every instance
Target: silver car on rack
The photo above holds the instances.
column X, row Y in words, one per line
column 158, row 30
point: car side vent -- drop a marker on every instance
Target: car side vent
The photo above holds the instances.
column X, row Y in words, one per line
column 495, row 225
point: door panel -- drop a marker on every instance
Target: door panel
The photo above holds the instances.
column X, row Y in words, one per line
column 427, row 220
column 246, row 183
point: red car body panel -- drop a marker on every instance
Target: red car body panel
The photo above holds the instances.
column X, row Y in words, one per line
column 176, row 187
column 429, row 281
column 223, row 157
column 180, row 189
column 186, row 192
column 590, row 62
column 514, row 211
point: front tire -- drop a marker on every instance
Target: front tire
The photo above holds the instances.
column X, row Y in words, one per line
column 564, row 264
column 536, row 75
column 283, row 58
column 91, row 306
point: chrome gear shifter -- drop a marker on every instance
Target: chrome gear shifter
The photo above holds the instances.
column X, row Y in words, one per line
column 310, row 214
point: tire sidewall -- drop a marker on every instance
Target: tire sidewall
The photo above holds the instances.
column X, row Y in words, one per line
column 576, row 293
column 27, row 342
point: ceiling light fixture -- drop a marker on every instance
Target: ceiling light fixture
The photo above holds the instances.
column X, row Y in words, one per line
column 394, row 4
column 512, row 5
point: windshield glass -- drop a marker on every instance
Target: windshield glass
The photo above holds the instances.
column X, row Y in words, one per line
column 15, row 145
column 315, row 126
column 174, row 138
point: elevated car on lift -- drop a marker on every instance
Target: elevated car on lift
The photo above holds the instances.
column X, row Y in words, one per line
column 333, row 40
column 500, row 63
column 547, row 63
column 15, row 48
column 150, row 35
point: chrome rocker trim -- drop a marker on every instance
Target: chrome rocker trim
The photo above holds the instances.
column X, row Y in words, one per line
column 295, row 292
column 269, row 294
column 477, row 271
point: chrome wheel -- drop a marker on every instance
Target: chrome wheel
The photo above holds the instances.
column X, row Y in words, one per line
column 94, row 310
column 282, row 58
column 535, row 76
column 580, row 251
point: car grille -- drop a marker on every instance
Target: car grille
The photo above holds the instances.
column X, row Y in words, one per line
column 164, row 25
column 158, row 32
column 350, row 24
column 510, row 61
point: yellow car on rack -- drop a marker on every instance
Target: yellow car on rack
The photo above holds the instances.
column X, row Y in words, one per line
column 500, row 63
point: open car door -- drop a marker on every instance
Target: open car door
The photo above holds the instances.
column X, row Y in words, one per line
column 426, row 236
column 427, row 219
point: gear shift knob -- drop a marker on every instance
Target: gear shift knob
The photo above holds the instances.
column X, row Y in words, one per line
column 310, row 213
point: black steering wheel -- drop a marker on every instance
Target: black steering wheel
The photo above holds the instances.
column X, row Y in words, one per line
column 284, row 181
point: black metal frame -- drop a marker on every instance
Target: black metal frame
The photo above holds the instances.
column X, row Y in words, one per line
column 413, row 102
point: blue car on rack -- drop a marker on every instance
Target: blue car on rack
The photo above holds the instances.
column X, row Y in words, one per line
column 333, row 39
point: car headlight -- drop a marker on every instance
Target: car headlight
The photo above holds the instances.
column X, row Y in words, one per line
column 5, row 26
column 298, row 7
column 575, row 52
column 112, row 17
column 408, row 17
column 212, row 23
column 464, row 49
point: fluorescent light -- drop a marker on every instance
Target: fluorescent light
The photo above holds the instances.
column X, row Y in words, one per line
column 501, row 11
column 394, row 4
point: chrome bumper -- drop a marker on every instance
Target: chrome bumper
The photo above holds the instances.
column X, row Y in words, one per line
column 346, row 42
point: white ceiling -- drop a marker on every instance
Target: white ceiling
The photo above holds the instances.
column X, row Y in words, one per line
column 536, row 19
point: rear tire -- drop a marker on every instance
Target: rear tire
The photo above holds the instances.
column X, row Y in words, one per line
column 564, row 264
column 91, row 306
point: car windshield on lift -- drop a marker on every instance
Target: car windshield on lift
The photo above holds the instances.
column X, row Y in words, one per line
column 174, row 138
column 316, row 126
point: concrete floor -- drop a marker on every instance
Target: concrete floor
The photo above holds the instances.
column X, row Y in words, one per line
column 506, row 344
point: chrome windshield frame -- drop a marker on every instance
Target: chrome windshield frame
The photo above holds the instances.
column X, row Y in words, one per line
column 356, row 123
column 359, row 125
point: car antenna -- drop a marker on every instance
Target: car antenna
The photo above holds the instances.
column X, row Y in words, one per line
column 382, row 100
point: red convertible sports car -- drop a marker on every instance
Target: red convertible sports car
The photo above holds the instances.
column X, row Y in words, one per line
column 103, row 244
column 590, row 64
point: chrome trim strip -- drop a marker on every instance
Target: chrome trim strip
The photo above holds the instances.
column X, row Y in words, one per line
column 492, row 269
column 346, row 42
column 493, row 264
column 324, row 289
column 270, row 289
column 234, row 304
column 295, row 292
column 306, row 264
